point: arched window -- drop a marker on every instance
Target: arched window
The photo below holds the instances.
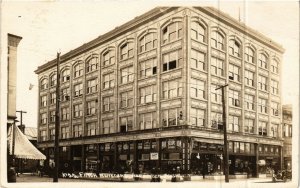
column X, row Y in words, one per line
column 172, row 32
column 274, row 66
column 108, row 58
column 249, row 55
column 198, row 32
column 126, row 50
column 78, row 70
column 234, row 48
column 65, row 75
column 44, row 84
column 53, row 80
column 148, row 42
column 217, row 40
column 91, row 65
column 263, row 61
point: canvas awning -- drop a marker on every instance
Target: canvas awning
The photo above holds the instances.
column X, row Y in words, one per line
column 23, row 148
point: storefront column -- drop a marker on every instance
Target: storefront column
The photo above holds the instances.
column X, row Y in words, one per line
column 82, row 158
column 281, row 157
column 158, row 144
column 135, row 156
column 186, row 166
column 256, row 159
column 115, row 154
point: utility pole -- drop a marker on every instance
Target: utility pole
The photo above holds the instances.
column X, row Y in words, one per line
column 21, row 117
column 22, row 128
column 226, row 171
column 57, row 122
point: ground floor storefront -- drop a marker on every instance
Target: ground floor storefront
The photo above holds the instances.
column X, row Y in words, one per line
column 172, row 155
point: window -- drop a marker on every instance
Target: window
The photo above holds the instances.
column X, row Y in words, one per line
column 109, row 81
column 108, row 126
column 147, row 94
column 148, row 68
column 52, row 98
column 234, row 72
column 172, row 32
column 53, row 80
column 197, row 88
column 148, row 42
column 77, row 110
column 171, row 117
column 42, row 135
column 148, row 120
column 234, row 48
column 172, row 89
column 216, row 120
column 216, row 95
column 52, row 134
column 197, row 117
column 198, row 32
column 109, row 58
column 274, row 66
column 127, row 75
column 77, row 131
column 274, row 87
column 217, row 40
column 262, row 105
column 126, row 124
column 126, row 50
column 65, row 94
column 197, row 60
column 108, row 104
column 44, row 84
column 249, row 55
column 65, row 114
column 249, row 102
column 262, row 60
column 274, row 130
column 233, row 123
column 44, row 101
column 78, row 90
column 275, row 108
column 262, row 128
column 172, row 60
column 249, row 126
column 92, row 65
column 126, row 99
column 52, row 117
column 65, row 75
column 78, row 70
column 234, row 98
column 91, row 129
column 43, row 118
column 262, row 83
column 65, row 132
column 91, row 108
column 249, row 78
column 217, row 66
column 92, row 86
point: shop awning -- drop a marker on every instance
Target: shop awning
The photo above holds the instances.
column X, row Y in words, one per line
column 211, row 141
column 22, row 146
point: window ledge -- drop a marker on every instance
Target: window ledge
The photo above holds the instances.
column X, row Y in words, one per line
column 147, row 77
column 144, row 52
column 203, row 71
column 172, row 42
column 169, row 71
column 106, row 66
column 90, row 72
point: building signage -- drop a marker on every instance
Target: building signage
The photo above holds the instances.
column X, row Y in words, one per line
column 154, row 156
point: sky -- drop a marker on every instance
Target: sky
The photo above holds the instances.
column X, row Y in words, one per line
column 48, row 27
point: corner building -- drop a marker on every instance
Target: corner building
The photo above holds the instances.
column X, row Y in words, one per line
column 143, row 95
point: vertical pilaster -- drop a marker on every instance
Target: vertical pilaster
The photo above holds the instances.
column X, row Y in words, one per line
column 256, row 158
column 83, row 158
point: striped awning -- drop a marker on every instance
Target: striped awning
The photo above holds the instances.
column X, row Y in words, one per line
column 23, row 148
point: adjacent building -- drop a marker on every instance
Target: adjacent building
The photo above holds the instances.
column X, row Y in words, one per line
column 287, row 117
column 143, row 95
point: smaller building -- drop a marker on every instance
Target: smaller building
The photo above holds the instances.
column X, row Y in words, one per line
column 287, row 131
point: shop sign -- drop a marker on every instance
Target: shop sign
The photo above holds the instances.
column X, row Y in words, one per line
column 154, row 156
column 76, row 158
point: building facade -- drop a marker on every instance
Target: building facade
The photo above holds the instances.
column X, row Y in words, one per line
column 287, row 116
column 143, row 95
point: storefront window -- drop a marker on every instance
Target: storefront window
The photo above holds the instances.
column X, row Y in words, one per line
column 260, row 149
column 163, row 144
column 252, row 148
column 178, row 143
column 171, row 144
column 107, row 146
column 140, row 145
column 119, row 147
column 247, row 147
column 242, row 147
column 230, row 146
column 236, row 147
column 147, row 144
column 125, row 146
column 153, row 145
column 266, row 149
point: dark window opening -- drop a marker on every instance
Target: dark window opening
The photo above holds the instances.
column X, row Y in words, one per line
column 123, row 128
column 154, row 70
column 172, row 65
column 165, row 66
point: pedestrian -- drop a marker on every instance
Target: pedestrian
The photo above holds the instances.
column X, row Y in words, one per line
column 203, row 169
column 248, row 172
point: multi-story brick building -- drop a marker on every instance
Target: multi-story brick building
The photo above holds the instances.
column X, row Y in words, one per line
column 145, row 92
column 287, row 116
